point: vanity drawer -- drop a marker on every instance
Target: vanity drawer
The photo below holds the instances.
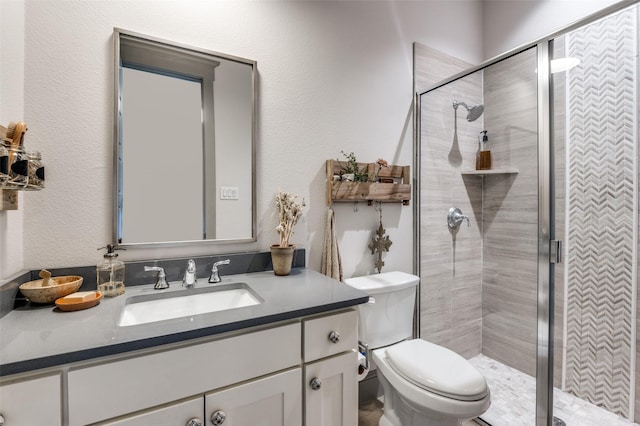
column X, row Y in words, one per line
column 330, row 335
column 119, row 387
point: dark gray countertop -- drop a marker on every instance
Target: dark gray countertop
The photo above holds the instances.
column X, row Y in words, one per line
column 33, row 338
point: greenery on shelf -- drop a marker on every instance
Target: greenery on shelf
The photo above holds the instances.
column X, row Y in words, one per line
column 359, row 174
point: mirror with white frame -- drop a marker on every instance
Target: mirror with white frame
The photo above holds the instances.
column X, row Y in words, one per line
column 185, row 122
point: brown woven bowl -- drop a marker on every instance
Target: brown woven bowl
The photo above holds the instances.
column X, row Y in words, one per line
column 58, row 287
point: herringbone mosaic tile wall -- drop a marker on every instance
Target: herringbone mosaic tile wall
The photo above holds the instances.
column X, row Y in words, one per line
column 602, row 171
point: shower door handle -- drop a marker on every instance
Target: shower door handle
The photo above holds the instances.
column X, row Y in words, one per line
column 555, row 251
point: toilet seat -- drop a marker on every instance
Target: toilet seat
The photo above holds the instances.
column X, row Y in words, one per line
column 437, row 369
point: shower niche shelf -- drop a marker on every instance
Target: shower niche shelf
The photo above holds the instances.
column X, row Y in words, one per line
column 396, row 190
column 508, row 171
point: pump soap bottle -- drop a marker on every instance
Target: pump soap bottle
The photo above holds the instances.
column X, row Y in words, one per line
column 110, row 273
column 485, row 153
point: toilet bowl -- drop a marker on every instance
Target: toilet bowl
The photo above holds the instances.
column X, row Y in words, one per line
column 423, row 384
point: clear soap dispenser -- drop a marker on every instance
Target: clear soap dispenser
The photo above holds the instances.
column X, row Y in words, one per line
column 485, row 154
column 110, row 273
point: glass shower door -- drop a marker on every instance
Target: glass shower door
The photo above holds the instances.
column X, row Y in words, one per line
column 479, row 282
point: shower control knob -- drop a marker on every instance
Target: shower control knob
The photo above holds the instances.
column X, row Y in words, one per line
column 194, row 422
column 218, row 417
column 455, row 218
column 334, row 336
column 315, row 383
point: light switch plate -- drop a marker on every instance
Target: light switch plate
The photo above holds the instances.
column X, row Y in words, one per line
column 228, row 192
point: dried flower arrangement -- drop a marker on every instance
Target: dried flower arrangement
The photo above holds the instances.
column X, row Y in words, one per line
column 381, row 163
column 289, row 211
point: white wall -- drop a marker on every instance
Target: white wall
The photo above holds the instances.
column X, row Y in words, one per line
column 508, row 24
column 333, row 76
column 12, row 54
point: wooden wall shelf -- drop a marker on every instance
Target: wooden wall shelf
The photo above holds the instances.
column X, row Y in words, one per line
column 342, row 191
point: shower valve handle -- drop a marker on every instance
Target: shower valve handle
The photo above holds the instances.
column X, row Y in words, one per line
column 455, row 218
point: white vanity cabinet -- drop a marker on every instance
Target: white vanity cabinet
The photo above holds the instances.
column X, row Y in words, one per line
column 330, row 370
column 31, row 402
column 273, row 400
column 292, row 373
column 110, row 389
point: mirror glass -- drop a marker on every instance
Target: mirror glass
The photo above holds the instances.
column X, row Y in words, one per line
column 185, row 144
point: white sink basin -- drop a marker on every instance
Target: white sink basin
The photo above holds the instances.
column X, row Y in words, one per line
column 186, row 303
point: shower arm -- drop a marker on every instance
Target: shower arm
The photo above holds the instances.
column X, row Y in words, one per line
column 456, row 104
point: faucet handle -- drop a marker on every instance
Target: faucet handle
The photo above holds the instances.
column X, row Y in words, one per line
column 161, row 281
column 215, row 277
column 455, row 217
column 222, row 262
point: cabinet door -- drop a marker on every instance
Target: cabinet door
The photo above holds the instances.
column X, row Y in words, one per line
column 272, row 401
column 185, row 413
column 331, row 391
column 31, row 402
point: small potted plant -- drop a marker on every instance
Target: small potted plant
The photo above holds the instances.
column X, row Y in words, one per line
column 352, row 171
column 289, row 211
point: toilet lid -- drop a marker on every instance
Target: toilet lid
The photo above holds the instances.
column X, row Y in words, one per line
column 437, row 370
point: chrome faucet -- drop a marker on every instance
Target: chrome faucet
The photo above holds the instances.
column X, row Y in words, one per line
column 215, row 277
column 189, row 278
column 161, row 281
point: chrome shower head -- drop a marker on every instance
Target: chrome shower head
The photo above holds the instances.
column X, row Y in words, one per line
column 473, row 113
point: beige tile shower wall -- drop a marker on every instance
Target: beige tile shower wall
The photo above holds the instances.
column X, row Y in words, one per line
column 510, row 219
column 450, row 262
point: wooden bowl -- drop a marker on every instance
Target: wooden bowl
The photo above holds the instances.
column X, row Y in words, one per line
column 58, row 287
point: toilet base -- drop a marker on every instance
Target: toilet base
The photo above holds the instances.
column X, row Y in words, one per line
column 385, row 422
column 399, row 413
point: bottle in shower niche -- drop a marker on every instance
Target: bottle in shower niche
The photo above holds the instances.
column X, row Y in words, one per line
column 110, row 273
column 485, row 153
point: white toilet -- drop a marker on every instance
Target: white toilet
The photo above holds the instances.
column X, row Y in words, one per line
column 423, row 384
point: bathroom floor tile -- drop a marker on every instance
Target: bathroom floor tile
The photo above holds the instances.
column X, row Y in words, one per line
column 513, row 400
column 369, row 414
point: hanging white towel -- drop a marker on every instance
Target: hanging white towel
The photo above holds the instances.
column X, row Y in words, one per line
column 331, row 262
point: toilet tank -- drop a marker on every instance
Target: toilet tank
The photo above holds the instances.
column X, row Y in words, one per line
column 388, row 317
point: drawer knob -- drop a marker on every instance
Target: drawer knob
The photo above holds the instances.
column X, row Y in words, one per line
column 218, row 417
column 315, row 383
column 334, row 336
column 194, row 422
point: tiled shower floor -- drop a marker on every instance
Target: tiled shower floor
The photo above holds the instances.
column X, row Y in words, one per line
column 513, row 396
column 513, row 401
